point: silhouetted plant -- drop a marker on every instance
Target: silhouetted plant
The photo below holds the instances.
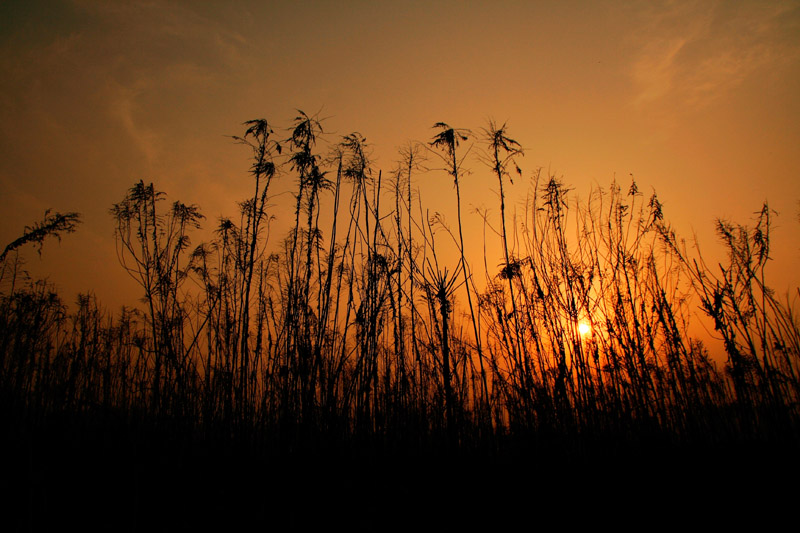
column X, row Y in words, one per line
column 255, row 218
column 761, row 335
column 348, row 334
column 151, row 246
column 448, row 140
column 52, row 225
column 502, row 152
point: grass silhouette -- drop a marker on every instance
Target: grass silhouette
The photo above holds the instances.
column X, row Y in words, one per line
column 331, row 372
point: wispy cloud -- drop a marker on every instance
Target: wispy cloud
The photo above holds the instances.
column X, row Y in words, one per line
column 124, row 68
column 655, row 70
column 122, row 105
column 697, row 52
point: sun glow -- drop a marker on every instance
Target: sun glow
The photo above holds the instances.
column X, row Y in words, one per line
column 584, row 329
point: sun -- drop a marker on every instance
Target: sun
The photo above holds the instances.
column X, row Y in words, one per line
column 584, row 329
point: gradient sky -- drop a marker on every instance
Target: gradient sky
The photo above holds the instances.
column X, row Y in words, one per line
column 698, row 100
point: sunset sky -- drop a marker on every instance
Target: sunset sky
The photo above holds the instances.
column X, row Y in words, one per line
column 697, row 100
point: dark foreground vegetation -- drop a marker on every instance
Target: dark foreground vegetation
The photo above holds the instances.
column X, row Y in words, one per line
column 353, row 372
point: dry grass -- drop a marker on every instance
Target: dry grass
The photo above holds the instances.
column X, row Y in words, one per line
column 340, row 345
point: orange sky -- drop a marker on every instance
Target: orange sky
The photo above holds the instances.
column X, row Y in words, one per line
column 698, row 100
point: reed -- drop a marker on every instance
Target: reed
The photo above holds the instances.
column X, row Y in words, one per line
column 347, row 338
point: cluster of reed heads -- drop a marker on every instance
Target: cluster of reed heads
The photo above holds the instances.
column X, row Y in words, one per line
column 356, row 327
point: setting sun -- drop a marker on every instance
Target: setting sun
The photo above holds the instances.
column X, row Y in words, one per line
column 584, row 329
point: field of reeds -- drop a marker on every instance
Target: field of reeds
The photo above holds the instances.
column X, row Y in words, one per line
column 351, row 370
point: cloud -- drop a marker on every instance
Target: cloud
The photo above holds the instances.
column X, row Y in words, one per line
column 130, row 67
column 655, row 70
column 694, row 53
column 122, row 105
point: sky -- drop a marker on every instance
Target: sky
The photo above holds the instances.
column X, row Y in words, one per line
column 697, row 100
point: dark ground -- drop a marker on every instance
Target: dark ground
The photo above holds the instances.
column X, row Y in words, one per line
column 83, row 476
